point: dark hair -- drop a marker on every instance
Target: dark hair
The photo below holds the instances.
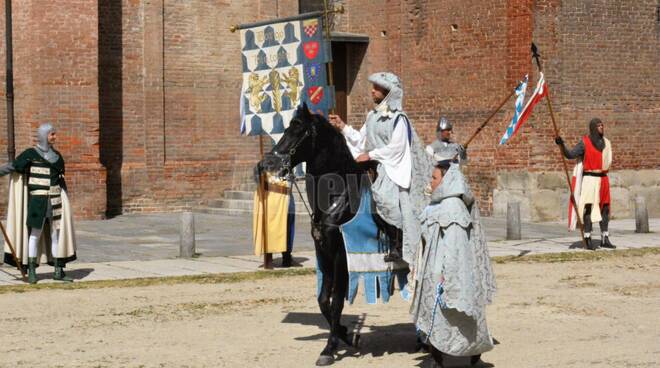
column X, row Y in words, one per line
column 443, row 166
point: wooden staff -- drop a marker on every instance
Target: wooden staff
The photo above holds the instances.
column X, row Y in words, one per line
column 326, row 28
column 483, row 125
column 13, row 252
column 537, row 57
column 263, row 192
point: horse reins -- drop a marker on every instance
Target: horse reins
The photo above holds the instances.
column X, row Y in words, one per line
column 286, row 159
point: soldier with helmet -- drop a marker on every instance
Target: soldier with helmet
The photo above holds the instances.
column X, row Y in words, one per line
column 444, row 146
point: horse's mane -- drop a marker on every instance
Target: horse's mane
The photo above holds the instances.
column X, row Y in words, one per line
column 337, row 143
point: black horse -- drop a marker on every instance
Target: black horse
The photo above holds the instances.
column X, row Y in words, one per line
column 334, row 183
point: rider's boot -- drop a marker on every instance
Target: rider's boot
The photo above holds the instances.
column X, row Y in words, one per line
column 395, row 249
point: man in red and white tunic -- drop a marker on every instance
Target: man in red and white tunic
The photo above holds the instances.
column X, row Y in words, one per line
column 591, row 186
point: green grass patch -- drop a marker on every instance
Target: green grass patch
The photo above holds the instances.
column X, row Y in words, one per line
column 274, row 274
column 154, row 281
column 577, row 256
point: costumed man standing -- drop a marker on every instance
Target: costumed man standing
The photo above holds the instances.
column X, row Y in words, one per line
column 591, row 185
column 403, row 168
column 39, row 211
column 453, row 278
column 444, row 146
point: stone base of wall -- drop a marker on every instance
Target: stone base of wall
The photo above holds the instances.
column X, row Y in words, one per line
column 544, row 196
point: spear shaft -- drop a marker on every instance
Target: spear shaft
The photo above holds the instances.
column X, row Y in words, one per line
column 537, row 58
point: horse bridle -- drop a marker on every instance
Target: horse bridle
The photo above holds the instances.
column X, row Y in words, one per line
column 286, row 158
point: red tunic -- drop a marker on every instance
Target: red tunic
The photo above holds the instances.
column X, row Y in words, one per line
column 593, row 162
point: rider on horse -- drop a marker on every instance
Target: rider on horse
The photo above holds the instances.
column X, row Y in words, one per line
column 403, row 168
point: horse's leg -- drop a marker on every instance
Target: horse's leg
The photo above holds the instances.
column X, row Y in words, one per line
column 326, row 265
column 324, row 297
column 338, row 298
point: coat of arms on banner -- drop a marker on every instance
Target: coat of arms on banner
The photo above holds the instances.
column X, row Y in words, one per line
column 277, row 60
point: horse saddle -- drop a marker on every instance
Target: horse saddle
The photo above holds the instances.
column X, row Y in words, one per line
column 366, row 247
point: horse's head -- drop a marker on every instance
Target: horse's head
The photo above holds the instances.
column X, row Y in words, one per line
column 297, row 144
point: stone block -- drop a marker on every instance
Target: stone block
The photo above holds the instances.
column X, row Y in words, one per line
column 553, row 180
column 502, row 197
column 630, row 178
column 622, row 205
column 652, row 196
column 545, row 205
column 514, row 180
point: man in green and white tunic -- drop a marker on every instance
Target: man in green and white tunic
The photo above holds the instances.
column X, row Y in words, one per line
column 38, row 201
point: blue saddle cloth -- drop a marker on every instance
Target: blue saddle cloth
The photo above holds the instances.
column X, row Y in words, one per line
column 365, row 249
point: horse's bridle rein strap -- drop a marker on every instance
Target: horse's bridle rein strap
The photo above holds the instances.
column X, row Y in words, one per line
column 286, row 164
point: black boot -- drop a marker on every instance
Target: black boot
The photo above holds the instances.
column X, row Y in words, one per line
column 475, row 359
column 605, row 243
column 393, row 256
column 420, row 345
column 287, row 259
column 32, row 270
column 437, row 357
column 590, row 245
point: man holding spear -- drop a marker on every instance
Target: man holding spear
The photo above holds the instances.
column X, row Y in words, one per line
column 591, row 186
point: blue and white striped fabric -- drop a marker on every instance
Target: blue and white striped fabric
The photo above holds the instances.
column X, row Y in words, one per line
column 365, row 252
column 520, row 98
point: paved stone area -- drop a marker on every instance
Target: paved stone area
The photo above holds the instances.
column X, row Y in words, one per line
column 133, row 246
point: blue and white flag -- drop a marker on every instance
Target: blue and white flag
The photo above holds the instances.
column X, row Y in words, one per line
column 520, row 99
column 283, row 66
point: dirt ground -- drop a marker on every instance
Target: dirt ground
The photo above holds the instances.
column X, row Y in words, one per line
column 601, row 313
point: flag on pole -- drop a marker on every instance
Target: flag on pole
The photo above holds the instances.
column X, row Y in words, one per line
column 283, row 66
column 520, row 99
column 521, row 117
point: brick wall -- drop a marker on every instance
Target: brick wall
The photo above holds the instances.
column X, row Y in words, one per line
column 55, row 80
column 145, row 92
column 460, row 58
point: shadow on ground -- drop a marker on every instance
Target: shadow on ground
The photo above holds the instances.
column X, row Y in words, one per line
column 297, row 262
column 78, row 274
column 399, row 338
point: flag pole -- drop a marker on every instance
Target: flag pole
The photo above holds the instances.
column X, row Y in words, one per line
column 326, row 29
column 537, row 57
column 483, row 125
column 263, row 192
column 19, row 265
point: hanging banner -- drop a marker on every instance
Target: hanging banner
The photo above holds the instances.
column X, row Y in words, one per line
column 284, row 65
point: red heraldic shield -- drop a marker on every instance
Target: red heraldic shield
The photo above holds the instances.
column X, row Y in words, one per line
column 311, row 49
column 315, row 94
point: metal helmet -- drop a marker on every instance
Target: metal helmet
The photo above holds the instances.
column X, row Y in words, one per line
column 443, row 124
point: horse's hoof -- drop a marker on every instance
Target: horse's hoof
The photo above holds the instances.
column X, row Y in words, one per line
column 324, row 360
